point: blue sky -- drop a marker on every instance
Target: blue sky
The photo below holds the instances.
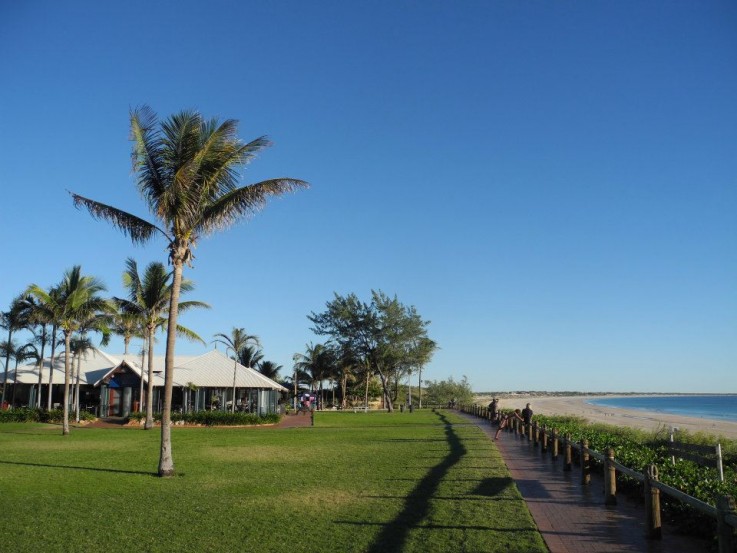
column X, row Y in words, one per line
column 552, row 184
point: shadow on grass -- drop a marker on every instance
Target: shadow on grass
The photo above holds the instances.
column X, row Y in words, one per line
column 417, row 503
column 94, row 469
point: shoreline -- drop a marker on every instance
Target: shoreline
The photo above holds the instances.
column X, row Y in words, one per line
column 631, row 418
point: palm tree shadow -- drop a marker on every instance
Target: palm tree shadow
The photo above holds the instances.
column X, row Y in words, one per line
column 94, row 469
column 417, row 504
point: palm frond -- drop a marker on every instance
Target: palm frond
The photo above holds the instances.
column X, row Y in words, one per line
column 244, row 201
column 190, row 335
column 139, row 230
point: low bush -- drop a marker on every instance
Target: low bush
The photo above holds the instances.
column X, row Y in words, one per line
column 213, row 418
column 26, row 414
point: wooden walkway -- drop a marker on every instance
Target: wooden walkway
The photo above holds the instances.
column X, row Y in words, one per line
column 573, row 518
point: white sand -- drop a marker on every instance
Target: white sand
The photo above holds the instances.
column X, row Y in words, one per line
column 633, row 418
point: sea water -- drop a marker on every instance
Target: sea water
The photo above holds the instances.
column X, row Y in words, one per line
column 717, row 407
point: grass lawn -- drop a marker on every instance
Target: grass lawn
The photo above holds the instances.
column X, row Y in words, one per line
column 355, row 482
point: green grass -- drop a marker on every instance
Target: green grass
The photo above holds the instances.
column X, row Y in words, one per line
column 355, row 482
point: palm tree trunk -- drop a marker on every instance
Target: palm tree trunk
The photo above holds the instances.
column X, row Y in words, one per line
column 15, row 381
column 41, row 369
column 7, row 362
column 235, row 368
column 140, row 387
column 51, row 367
column 76, row 388
column 67, row 345
column 166, row 461
column 149, row 424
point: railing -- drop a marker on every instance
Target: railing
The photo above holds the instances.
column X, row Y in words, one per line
column 725, row 511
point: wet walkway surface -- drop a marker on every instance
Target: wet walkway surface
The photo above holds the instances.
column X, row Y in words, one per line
column 572, row 517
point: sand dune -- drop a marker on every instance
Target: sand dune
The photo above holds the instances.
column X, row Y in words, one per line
column 633, row 418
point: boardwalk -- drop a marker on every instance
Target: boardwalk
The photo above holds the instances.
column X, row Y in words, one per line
column 573, row 518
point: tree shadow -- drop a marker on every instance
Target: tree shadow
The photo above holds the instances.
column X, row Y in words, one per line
column 417, row 504
column 94, row 469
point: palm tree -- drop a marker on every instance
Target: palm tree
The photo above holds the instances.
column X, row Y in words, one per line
column 148, row 300
column 317, row 361
column 127, row 325
column 39, row 319
column 187, row 169
column 269, row 369
column 11, row 320
column 250, row 356
column 237, row 341
column 76, row 301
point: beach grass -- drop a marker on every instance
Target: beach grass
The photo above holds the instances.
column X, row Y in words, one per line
column 355, row 482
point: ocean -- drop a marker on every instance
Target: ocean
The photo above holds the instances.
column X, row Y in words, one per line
column 716, row 407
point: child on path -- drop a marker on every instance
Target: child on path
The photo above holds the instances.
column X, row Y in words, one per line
column 504, row 422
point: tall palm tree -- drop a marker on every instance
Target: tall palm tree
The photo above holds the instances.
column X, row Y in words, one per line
column 15, row 318
column 39, row 320
column 187, row 171
column 127, row 325
column 269, row 369
column 317, row 361
column 77, row 300
column 250, row 356
column 148, row 300
column 237, row 340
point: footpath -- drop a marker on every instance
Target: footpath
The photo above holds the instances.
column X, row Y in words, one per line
column 572, row 518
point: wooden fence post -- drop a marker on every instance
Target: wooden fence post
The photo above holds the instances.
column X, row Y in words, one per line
column 529, row 431
column 567, row 453
column 535, row 432
column 725, row 532
column 585, row 463
column 653, row 529
column 545, row 439
column 555, row 444
column 610, row 478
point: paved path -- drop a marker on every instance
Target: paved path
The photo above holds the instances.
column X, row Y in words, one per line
column 572, row 517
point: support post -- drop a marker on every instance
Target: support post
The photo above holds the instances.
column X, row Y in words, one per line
column 585, row 463
column 535, row 434
column 610, row 478
column 725, row 532
column 653, row 527
column 555, row 444
column 567, row 453
column 544, row 439
column 529, row 431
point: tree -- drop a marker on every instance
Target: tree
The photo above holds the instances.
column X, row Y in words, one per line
column 76, row 301
column 269, row 369
column 39, row 320
column 148, row 300
column 237, row 341
column 12, row 320
column 250, row 356
column 318, row 363
column 187, row 171
column 383, row 334
column 441, row 392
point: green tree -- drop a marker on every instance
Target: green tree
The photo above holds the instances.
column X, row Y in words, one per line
column 269, row 369
column 12, row 320
column 382, row 335
column 148, row 300
column 76, row 301
column 442, row 392
column 250, row 356
column 318, row 363
column 187, row 171
column 236, row 341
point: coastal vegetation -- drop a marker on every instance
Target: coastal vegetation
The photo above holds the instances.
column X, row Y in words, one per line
column 373, row 482
column 637, row 449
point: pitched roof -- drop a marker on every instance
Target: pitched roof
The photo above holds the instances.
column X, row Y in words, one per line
column 212, row 369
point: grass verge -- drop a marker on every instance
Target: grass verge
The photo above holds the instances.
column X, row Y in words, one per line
column 354, row 483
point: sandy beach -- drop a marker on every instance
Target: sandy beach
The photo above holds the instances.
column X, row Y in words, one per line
column 633, row 418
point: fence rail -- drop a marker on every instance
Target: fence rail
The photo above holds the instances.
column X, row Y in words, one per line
column 725, row 511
